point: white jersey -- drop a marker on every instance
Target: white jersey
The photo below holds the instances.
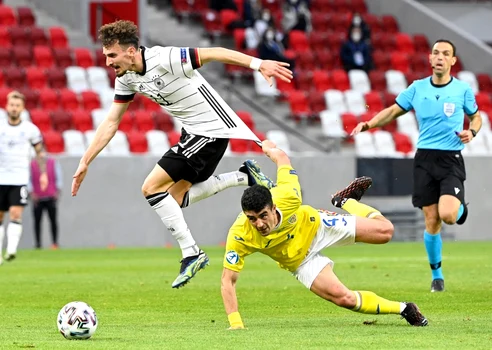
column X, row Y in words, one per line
column 169, row 78
column 15, row 151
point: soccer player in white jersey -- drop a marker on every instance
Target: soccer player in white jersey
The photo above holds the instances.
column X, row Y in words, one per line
column 184, row 175
column 17, row 136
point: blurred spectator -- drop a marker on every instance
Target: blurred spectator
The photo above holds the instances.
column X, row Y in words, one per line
column 355, row 53
column 358, row 21
column 219, row 5
column 254, row 34
column 296, row 16
column 45, row 199
column 252, row 11
column 270, row 48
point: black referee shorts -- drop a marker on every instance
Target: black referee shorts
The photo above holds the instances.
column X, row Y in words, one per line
column 194, row 158
column 436, row 173
column 13, row 195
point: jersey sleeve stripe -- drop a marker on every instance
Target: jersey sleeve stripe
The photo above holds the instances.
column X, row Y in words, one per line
column 123, row 98
column 195, row 58
column 399, row 105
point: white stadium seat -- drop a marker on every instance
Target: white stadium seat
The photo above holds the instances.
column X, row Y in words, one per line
column 335, row 101
column 407, row 123
column 157, row 141
column 364, row 145
column 74, row 142
column 355, row 102
column 89, row 136
column 118, row 146
column 485, row 120
column 98, row 78
column 385, row 144
column 479, row 147
column 280, row 138
column 395, row 81
column 262, row 87
column 77, row 79
column 470, row 78
column 359, row 81
column 98, row 116
column 106, row 97
column 331, row 124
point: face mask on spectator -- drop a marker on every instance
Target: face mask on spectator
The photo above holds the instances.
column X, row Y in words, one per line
column 270, row 35
column 266, row 17
column 356, row 36
column 356, row 20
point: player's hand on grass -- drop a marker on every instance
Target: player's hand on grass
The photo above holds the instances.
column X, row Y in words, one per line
column 78, row 177
column 363, row 126
column 465, row 136
column 277, row 70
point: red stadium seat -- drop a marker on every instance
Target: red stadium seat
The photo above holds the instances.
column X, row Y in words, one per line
column 126, row 123
column 90, row 100
column 14, row 77
column 421, row 43
column 389, row 24
column 374, row 102
column 304, row 80
column 2, row 80
column 400, row 61
column 320, row 22
column 82, row 120
column 5, row 40
column 322, row 80
column 358, row 6
column 388, row 98
column 298, row 41
column 378, row 80
column 365, row 117
column 227, row 17
column 247, row 118
column 403, row 143
column 22, row 56
column 62, row 120
column 284, row 87
column 4, row 91
column 49, row 99
column 173, row 137
column 373, row 22
column 484, row 82
column 58, row 37
column 6, row 56
column 383, row 41
column 53, row 141
column 163, row 121
column 99, row 58
column 317, row 101
column 415, row 75
column 239, row 146
column 458, row 66
column 69, row 100
column 335, row 40
column 63, row 57
column 420, row 62
column 25, row 17
column 391, row 127
column 341, row 21
column 299, row 105
column 7, row 16
column 239, row 38
column 317, row 40
column 41, row 118
column 150, row 105
column 144, row 121
column 56, row 77
column 38, row 37
column 306, row 61
column 137, row 103
column 404, row 43
column 483, row 100
column 83, row 57
column 326, row 59
column 211, row 22
column 36, row 78
column 20, row 36
column 137, row 141
column 43, row 56
column 32, row 98
column 381, row 60
column 181, row 7
column 340, row 80
column 349, row 122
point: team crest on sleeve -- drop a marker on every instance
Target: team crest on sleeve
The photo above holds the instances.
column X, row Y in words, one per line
column 292, row 219
column 449, row 108
column 232, row 257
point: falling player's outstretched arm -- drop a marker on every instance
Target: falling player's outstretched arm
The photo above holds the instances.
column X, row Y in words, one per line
column 228, row 291
column 104, row 133
column 267, row 68
column 278, row 156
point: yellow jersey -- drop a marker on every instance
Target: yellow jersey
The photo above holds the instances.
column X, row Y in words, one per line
column 289, row 241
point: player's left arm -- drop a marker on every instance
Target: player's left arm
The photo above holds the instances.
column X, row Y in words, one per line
column 471, row 109
column 229, row 297
column 267, row 68
column 37, row 142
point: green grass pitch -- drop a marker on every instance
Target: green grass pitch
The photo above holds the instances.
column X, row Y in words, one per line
column 130, row 289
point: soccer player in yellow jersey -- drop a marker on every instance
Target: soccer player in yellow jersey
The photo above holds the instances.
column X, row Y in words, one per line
column 275, row 223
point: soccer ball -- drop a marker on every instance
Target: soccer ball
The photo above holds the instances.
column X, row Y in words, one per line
column 77, row 320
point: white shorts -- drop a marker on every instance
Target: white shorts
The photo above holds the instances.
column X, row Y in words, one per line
column 333, row 231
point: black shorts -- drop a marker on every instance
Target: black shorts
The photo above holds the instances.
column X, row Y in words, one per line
column 194, row 158
column 13, row 195
column 436, row 173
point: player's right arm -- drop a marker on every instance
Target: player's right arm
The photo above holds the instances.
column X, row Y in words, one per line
column 278, row 156
column 402, row 105
column 104, row 133
column 228, row 291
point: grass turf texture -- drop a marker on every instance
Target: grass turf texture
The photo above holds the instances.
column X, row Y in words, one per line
column 130, row 289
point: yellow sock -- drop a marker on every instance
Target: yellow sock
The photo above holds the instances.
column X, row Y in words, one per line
column 360, row 209
column 370, row 303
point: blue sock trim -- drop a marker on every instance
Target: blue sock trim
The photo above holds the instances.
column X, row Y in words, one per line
column 433, row 246
column 460, row 212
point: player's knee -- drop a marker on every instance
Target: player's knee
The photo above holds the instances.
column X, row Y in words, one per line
column 149, row 188
column 347, row 301
column 449, row 217
column 385, row 231
column 433, row 224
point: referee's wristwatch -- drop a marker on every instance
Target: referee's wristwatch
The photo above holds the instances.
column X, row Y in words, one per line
column 474, row 133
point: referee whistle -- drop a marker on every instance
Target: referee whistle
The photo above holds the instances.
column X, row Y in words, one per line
column 457, row 133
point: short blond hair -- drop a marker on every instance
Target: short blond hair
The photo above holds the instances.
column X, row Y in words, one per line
column 16, row 94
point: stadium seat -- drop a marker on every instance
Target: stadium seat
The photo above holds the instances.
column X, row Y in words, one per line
column 38, row 37
column 211, row 23
column 126, row 123
column 90, row 100
column 227, row 17
column 400, row 61
column 4, row 91
column 82, row 120
column 470, row 78
column 396, row 82
column 421, row 44
column 106, row 97
column 98, row 116
column 299, row 105
column 89, row 136
column 378, row 80
column 6, row 56
column 317, row 38
column 83, row 57
column 359, row 81
column 36, row 78
column 384, row 42
column 404, row 43
column 174, row 137
column 335, row 101
column 374, row 102
column 354, row 100
column 53, row 141
column 335, row 40
column 237, row 145
column 284, row 87
column 20, row 36
column 25, row 17
column 322, row 80
column 148, row 104
column 384, row 144
column 43, row 56
column 306, row 61
column 349, row 122
column 419, row 63
column 479, row 146
column 358, row 6
column 304, row 80
column 407, row 124
column 111, row 75
column 484, row 82
column 317, row 101
column 69, row 100
column 144, row 120
column 74, row 142
column 49, row 99
column 58, row 37
column 247, row 118
column 239, row 35
column 262, row 88
column 388, row 98
column 364, row 145
column 57, row 78
column 118, row 146
column 331, row 124
column 98, row 78
column 280, row 138
column 326, row 59
column 137, row 142
column 32, row 98
column 157, row 142
column 340, row 79
column 76, row 79
column 41, row 118
column 389, row 24
column 2, row 80
column 63, row 57
column 298, row 41
column 22, row 56
column 62, row 120
column 5, row 40
column 7, row 16
column 381, row 60
column 403, row 143
column 483, row 100
column 14, row 77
